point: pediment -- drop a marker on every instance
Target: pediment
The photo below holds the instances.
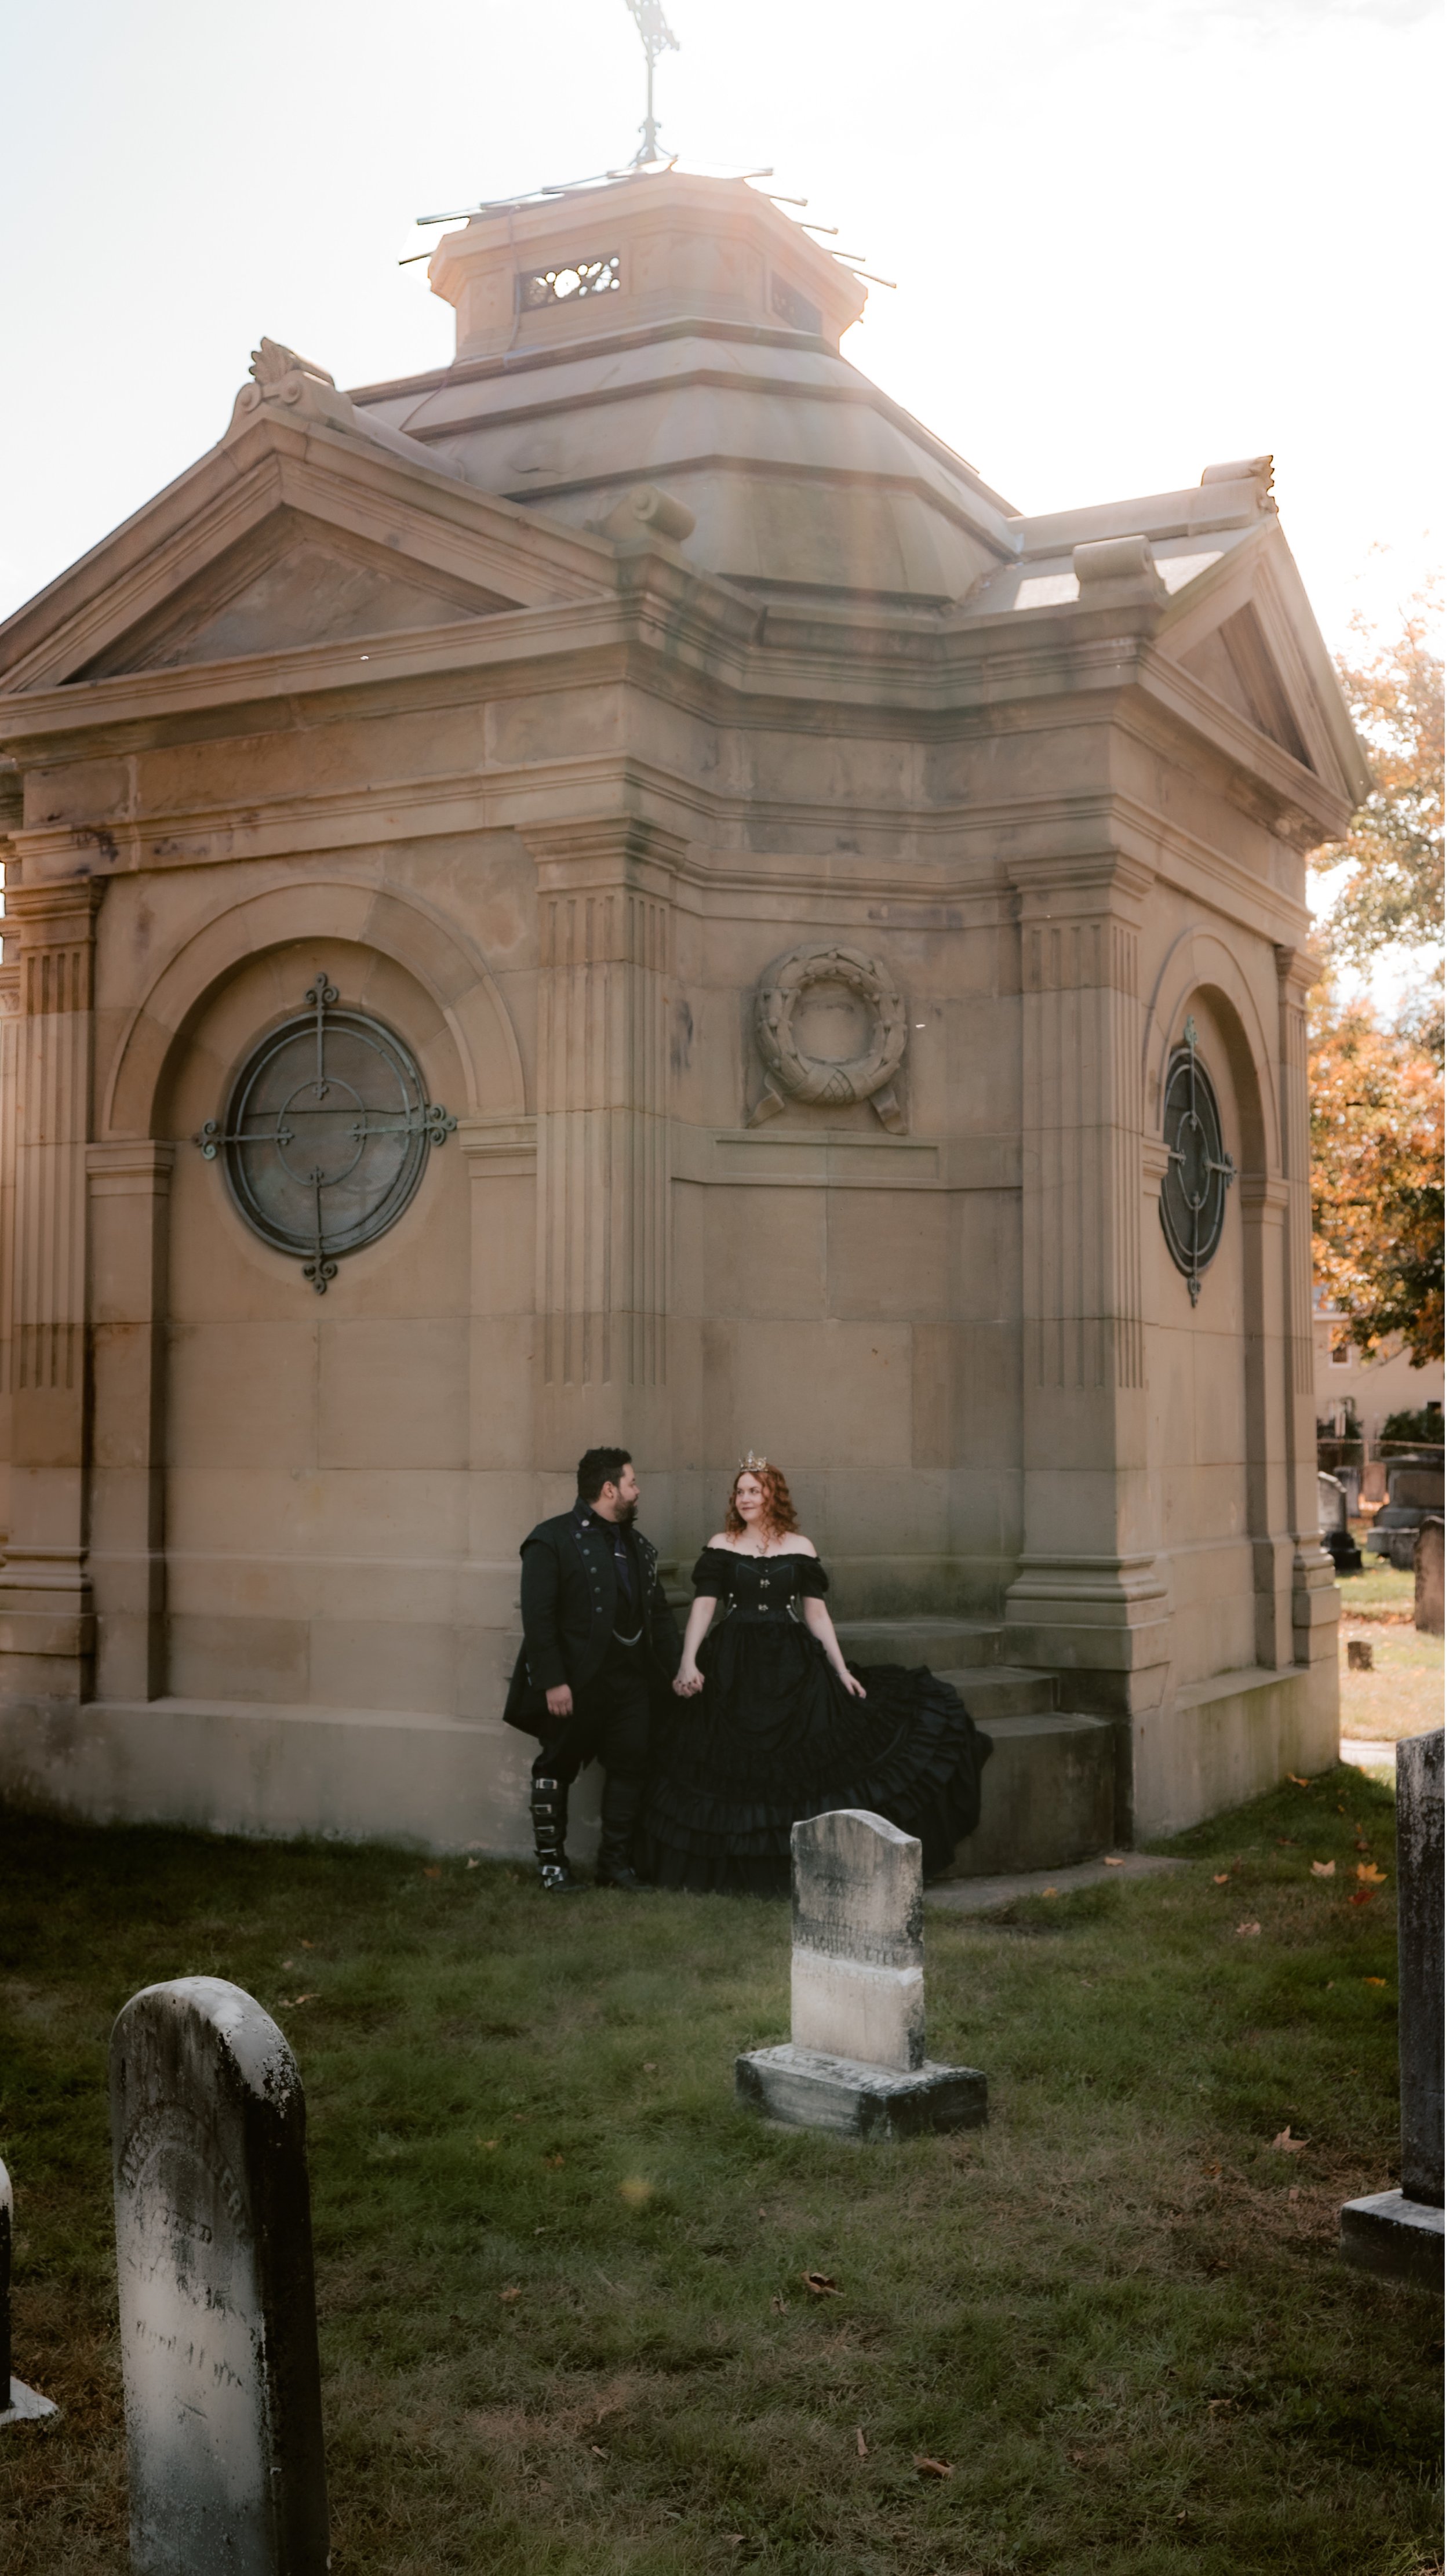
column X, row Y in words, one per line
column 1244, row 632
column 1236, row 662
column 292, row 581
column 291, row 536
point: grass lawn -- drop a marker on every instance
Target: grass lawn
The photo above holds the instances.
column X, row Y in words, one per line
column 563, row 2321
column 1403, row 1695
column 1382, row 1591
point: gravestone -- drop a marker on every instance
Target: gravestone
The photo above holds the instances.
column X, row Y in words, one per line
column 23, row 2405
column 1400, row 2234
column 856, row 2061
column 218, row 2316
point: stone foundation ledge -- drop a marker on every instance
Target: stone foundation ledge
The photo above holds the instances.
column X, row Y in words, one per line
column 256, row 1767
column 1398, row 2239
column 805, row 2089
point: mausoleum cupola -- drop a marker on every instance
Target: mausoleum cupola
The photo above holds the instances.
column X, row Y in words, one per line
column 658, row 248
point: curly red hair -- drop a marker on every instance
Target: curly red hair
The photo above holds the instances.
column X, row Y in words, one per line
column 779, row 1510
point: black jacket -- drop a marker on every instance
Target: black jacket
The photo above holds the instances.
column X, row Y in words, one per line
column 570, row 1598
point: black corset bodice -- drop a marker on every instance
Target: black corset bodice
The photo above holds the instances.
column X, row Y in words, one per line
column 754, row 1588
column 775, row 1734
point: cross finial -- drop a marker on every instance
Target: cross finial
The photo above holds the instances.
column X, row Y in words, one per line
column 657, row 37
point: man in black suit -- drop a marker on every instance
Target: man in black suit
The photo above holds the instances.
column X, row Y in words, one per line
column 599, row 1643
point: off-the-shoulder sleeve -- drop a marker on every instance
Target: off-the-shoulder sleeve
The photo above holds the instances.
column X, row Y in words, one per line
column 814, row 1581
column 711, row 1574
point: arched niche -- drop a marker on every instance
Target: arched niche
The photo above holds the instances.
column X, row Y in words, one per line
column 1201, row 974
column 392, row 922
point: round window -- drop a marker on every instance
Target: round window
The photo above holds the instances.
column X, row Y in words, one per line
column 1200, row 1170
column 326, row 1133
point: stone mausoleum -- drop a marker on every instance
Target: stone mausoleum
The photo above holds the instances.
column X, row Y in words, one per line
column 617, row 891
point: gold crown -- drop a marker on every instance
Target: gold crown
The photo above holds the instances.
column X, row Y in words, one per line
column 750, row 1465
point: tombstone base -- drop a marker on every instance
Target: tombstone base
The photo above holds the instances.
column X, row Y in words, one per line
column 808, row 2090
column 1400, row 2240
column 26, row 2406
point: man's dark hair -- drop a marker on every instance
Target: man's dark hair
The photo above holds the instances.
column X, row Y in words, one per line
column 598, row 1468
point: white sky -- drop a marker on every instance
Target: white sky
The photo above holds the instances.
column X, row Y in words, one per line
column 1133, row 237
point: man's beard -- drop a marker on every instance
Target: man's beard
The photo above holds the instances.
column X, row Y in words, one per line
column 625, row 1515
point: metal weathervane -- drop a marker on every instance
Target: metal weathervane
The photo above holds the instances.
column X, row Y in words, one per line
column 657, row 37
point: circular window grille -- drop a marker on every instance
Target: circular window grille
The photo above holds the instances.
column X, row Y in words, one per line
column 325, row 1134
column 1200, row 1170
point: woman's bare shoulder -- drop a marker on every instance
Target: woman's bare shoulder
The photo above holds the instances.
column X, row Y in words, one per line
column 797, row 1544
column 722, row 1539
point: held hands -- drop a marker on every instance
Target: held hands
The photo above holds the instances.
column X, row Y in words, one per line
column 688, row 1681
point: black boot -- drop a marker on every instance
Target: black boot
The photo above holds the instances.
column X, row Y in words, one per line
column 549, row 1807
column 618, row 1815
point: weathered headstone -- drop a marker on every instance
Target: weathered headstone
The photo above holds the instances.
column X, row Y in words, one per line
column 856, row 2057
column 1400, row 2234
column 22, row 2405
column 218, row 2314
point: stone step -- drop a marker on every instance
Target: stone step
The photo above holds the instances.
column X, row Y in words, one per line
column 943, row 1645
column 1003, row 1690
column 1047, row 1795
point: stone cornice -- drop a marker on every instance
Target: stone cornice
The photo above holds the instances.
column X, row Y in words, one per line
column 911, row 858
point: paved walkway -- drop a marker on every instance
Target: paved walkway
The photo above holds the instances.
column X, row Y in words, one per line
column 979, row 1895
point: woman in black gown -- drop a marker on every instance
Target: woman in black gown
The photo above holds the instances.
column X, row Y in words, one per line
column 778, row 1726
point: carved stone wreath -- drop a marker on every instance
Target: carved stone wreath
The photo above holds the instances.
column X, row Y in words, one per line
column 792, row 1074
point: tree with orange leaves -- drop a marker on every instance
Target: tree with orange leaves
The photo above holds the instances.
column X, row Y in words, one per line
column 1378, row 1175
column 1377, row 1091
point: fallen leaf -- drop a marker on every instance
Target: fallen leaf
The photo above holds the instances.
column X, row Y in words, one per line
column 507, row 2297
column 472, row 1864
column 1220, row 1878
column 432, row 1873
column 1247, row 1928
column 1294, row 2193
column 1211, row 2172
column 862, row 2451
column 762, row 2212
column 820, row 2285
column 650, row 2066
column 1215, row 2403
column 598, row 2454
column 735, row 2539
column 1110, row 1861
column 1323, row 1868
column 1376, row 1981
column 487, row 2142
column 307, row 1945
column 1362, row 1896
column 1048, row 1891
column 636, row 2191
column 1297, row 1783
column 930, row 2468
column 1290, row 2145
column 1370, row 1871
column 777, row 2305
column 1287, row 1842
column 1077, row 2458
column 555, row 2161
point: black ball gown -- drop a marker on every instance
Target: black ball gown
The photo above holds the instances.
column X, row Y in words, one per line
column 774, row 1735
